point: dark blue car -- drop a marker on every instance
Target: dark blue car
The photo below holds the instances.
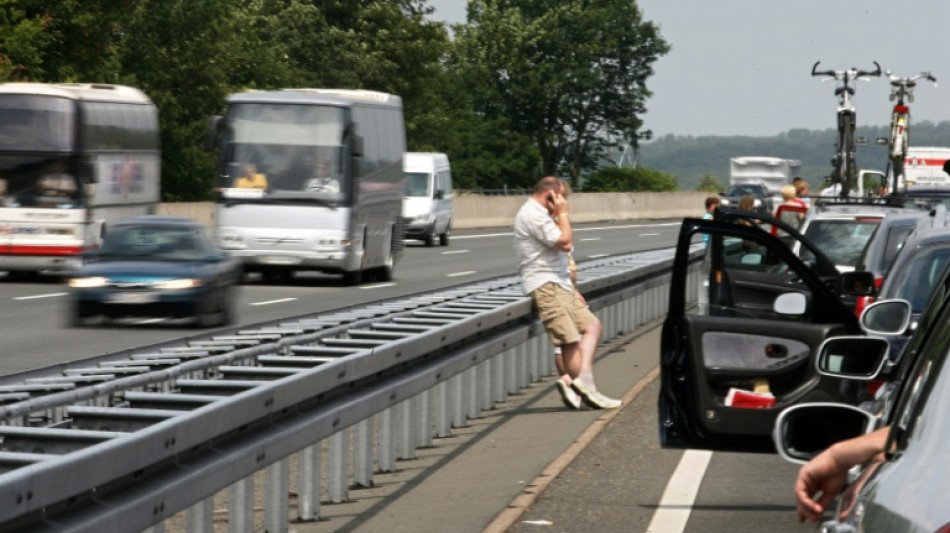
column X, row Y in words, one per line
column 156, row 266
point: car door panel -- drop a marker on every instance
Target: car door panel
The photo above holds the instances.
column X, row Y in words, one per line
column 733, row 338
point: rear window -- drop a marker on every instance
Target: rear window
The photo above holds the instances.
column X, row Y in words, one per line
column 841, row 240
column 918, row 280
column 895, row 240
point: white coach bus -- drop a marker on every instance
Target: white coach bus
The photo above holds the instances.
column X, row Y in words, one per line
column 73, row 159
column 311, row 179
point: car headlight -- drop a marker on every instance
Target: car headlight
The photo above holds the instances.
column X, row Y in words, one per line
column 423, row 219
column 178, row 284
column 724, row 201
column 88, row 283
column 757, row 203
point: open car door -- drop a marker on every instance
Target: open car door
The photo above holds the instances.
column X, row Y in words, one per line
column 739, row 341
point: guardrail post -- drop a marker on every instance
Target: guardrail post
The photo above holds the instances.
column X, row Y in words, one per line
column 308, row 486
column 405, row 431
column 337, row 466
column 457, row 391
column 472, row 401
column 363, row 454
column 241, row 506
column 485, row 385
column 199, row 517
column 511, row 371
column 423, row 410
column 499, row 381
column 385, row 443
column 443, row 423
column 277, row 488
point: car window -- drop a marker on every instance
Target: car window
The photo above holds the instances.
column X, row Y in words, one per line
column 841, row 240
column 895, row 241
column 917, row 281
column 157, row 242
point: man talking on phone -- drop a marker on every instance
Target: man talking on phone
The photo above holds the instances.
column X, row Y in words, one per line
column 543, row 238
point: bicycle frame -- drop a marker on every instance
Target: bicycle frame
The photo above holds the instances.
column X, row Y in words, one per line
column 843, row 162
column 901, row 89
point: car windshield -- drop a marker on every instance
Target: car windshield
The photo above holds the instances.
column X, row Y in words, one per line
column 157, row 242
column 743, row 190
column 919, row 278
column 841, row 240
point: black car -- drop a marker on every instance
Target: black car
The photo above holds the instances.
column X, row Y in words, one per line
column 156, row 266
column 763, row 203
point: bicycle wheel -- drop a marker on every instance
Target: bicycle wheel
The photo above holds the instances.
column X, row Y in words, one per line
column 847, row 150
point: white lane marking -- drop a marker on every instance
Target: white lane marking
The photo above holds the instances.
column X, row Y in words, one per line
column 377, row 286
column 457, row 274
column 596, row 256
column 269, row 302
column 591, row 239
column 677, row 501
column 649, row 234
column 50, row 295
column 455, row 252
column 599, row 228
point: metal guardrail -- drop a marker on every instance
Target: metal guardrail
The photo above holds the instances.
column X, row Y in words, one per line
column 125, row 441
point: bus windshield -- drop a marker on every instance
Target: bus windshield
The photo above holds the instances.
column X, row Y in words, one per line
column 34, row 123
column 35, row 181
column 283, row 152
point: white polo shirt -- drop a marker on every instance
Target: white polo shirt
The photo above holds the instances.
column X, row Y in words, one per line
column 539, row 262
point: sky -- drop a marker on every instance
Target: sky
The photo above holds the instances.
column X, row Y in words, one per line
column 743, row 67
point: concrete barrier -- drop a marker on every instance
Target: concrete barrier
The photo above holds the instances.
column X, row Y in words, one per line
column 475, row 211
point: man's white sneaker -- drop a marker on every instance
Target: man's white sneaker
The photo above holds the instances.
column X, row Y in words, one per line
column 568, row 396
column 594, row 398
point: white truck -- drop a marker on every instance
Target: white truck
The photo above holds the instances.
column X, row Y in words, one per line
column 923, row 166
column 774, row 172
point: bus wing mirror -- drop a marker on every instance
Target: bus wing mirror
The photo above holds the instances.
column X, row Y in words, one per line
column 356, row 145
column 211, row 134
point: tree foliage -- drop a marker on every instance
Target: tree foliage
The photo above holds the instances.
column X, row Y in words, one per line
column 624, row 179
column 570, row 75
column 527, row 87
column 709, row 183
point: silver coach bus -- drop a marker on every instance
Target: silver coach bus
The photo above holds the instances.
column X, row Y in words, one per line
column 311, row 179
column 74, row 158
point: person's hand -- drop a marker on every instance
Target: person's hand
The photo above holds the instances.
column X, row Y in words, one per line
column 557, row 203
column 820, row 475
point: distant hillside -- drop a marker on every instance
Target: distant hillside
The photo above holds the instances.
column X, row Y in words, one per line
column 691, row 158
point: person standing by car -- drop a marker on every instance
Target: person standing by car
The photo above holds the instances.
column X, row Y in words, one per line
column 712, row 202
column 541, row 248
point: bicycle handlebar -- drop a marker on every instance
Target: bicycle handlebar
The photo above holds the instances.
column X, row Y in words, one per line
column 897, row 80
column 846, row 75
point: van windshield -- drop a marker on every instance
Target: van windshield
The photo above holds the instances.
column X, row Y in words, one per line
column 417, row 184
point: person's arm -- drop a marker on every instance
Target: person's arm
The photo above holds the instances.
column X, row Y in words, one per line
column 827, row 472
column 559, row 211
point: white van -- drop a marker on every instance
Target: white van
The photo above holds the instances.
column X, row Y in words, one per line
column 428, row 200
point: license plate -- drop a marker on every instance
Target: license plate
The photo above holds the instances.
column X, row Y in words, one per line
column 132, row 298
column 280, row 260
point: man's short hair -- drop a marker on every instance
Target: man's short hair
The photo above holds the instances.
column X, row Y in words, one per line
column 711, row 201
column 548, row 184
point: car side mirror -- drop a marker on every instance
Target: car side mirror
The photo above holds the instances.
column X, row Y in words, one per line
column 805, row 430
column 859, row 283
column 887, row 317
column 852, row 357
column 790, row 303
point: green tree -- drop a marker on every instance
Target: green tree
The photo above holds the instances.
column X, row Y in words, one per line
column 624, row 179
column 709, row 183
column 568, row 74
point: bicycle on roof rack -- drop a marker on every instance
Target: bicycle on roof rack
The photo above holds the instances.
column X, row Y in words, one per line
column 901, row 89
column 843, row 161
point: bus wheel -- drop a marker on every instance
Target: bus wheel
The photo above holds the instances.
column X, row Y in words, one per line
column 386, row 271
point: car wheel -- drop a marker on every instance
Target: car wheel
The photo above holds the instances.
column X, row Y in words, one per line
column 444, row 238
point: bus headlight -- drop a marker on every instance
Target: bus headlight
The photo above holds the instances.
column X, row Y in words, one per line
column 231, row 240
column 88, row 283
